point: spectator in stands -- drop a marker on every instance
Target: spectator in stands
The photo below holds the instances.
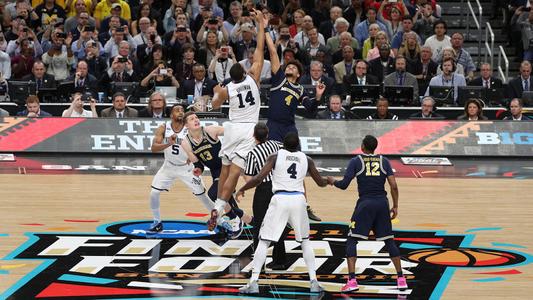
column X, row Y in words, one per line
column 14, row 46
column 144, row 12
column 33, row 108
column 515, row 108
column 449, row 52
column 427, row 110
column 354, row 14
column 345, row 40
column 5, row 65
column 410, row 48
column 473, row 111
column 334, row 42
column 235, row 10
column 215, row 24
column 83, row 81
column 97, row 63
column 3, row 113
column 49, row 13
column 394, row 23
column 26, row 13
column 104, row 8
column 156, row 108
column 439, row 40
column 345, row 67
column 319, row 11
column 302, row 37
column 81, row 18
column 516, row 86
column 316, row 76
column 160, row 76
column 324, row 58
column 105, row 36
column 298, row 20
column 527, row 36
column 486, row 79
column 116, row 11
column 175, row 42
column 401, row 77
column 200, row 85
column 221, row 64
column 39, row 77
column 119, row 109
column 184, row 67
column 370, row 42
column 462, row 56
column 247, row 64
column 399, row 38
column 111, row 47
column 235, row 34
column 147, row 34
column 314, row 45
column 327, row 28
column 335, row 111
column 361, row 30
column 359, row 77
column 381, row 39
column 78, row 46
column 424, row 68
column 382, row 111
column 209, row 48
column 241, row 47
column 424, row 21
column 59, row 58
column 383, row 65
column 217, row 11
column 448, row 77
column 76, row 110
column 175, row 16
column 121, row 71
column 23, row 62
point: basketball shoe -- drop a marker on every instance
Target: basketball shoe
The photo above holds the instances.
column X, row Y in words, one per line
column 311, row 215
column 212, row 222
column 401, row 283
column 315, row 287
column 350, row 286
column 156, row 227
column 251, row 288
column 237, row 226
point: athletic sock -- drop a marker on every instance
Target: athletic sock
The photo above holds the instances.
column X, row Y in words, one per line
column 231, row 214
column 309, row 258
column 260, row 256
column 219, row 206
column 352, row 276
column 400, row 274
column 206, row 201
column 239, row 212
column 154, row 204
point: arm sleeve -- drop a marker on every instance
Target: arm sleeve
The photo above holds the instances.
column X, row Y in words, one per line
column 353, row 167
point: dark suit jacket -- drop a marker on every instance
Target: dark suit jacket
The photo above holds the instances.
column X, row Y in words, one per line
column 515, row 88
column 347, row 81
column 111, row 113
column 434, row 115
column 377, row 69
column 43, row 113
column 325, row 28
column 144, row 113
column 187, row 88
column 415, row 67
column 49, row 81
column 326, row 114
column 495, row 83
column 328, row 82
column 106, row 80
column 90, row 84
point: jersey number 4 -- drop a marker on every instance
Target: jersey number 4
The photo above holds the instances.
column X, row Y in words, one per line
column 249, row 99
column 292, row 170
column 372, row 168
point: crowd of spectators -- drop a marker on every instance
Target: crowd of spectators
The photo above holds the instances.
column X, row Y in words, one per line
column 191, row 45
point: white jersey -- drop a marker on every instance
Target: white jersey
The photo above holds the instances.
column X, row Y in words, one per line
column 244, row 101
column 174, row 154
column 289, row 171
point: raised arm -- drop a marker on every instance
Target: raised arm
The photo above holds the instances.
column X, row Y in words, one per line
column 259, row 53
column 220, row 96
column 274, row 58
column 320, row 181
column 214, row 131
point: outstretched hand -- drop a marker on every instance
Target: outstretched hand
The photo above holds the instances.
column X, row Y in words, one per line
column 238, row 195
column 394, row 213
column 331, row 180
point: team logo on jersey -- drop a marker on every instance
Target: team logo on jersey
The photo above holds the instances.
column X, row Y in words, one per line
column 186, row 260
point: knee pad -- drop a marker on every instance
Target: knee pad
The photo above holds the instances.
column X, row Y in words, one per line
column 351, row 247
column 392, row 248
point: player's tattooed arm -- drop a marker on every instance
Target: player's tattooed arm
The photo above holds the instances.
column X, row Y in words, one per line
column 158, row 143
column 257, row 179
column 320, row 181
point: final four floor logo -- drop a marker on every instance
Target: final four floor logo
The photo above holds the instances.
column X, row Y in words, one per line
column 186, row 260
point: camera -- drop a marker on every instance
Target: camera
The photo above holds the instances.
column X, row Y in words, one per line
column 61, row 35
column 224, row 49
column 88, row 29
column 86, row 97
column 122, row 59
column 120, row 29
column 162, row 71
column 152, row 38
column 212, row 21
column 245, row 13
column 181, row 29
column 285, row 37
column 25, row 29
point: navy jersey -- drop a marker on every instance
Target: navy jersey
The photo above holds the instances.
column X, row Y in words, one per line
column 207, row 152
column 371, row 172
column 284, row 98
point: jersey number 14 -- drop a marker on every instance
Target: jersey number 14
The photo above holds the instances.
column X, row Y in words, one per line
column 249, row 99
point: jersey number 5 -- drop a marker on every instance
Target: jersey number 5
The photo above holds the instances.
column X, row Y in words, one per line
column 175, row 149
column 292, row 170
column 249, row 98
column 372, row 168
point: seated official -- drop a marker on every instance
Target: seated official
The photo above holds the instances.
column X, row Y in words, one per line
column 382, row 111
column 121, row 70
column 359, row 76
column 486, row 79
column 33, row 108
column 427, row 110
column 400, row 77
column 76, row 110
column 39, row 77
column 119, row 109
column 83, row 81
column 315, row 76
column 383, row 65
column 156, row 108
column 515, row 108
column 516, row 86
column 448, row 78
column 335, row 111
column 473, row 111
column 199, row 86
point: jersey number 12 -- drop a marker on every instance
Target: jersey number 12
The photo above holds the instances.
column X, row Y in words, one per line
column 249, row 98
column 372, row 168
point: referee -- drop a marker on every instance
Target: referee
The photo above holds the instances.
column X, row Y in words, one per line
column 255, row 161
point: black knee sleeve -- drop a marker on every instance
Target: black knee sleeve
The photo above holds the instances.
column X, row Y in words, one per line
column 392, row 248
column 351, row 247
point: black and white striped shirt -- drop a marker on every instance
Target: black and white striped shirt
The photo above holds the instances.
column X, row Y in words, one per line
column 257, row 158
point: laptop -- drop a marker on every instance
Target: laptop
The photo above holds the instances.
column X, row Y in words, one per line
column 170, row 92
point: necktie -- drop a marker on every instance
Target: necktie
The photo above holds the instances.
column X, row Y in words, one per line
column 486, row 83
column 39, row 83
column 360, row 81
column 526, row 85
column 120, row 115
column 400, row 80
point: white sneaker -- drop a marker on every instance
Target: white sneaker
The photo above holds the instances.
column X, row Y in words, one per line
column 236, row 227
column 251, row 288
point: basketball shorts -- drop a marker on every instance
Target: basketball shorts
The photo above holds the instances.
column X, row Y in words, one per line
column 277, row 131
column 371, row 214
column 238, row 141
column 168, row 173
column 285, row 208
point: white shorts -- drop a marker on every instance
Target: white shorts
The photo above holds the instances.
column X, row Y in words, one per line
column 283, row 208
column 168, row 173
column 238, row 141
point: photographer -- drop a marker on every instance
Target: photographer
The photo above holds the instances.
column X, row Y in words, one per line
column 76, row 107
column 111, row 48
column 60, row 57
column 221, row 63
column 148, row 34
column 215, row 25
column 87, row 35
column 96, row 62
column 24, row 33
column 160, row 76
column 121, row 71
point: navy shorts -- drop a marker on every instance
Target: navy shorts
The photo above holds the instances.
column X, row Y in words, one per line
column 213, row 190
column 371, row 214
column 277, row 131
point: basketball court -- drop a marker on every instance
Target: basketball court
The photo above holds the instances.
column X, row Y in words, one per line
column 73, row 228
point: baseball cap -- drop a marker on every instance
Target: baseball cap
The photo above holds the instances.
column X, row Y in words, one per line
column 115, row 5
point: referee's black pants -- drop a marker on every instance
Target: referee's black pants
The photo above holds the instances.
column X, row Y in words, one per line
column 263, row 195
